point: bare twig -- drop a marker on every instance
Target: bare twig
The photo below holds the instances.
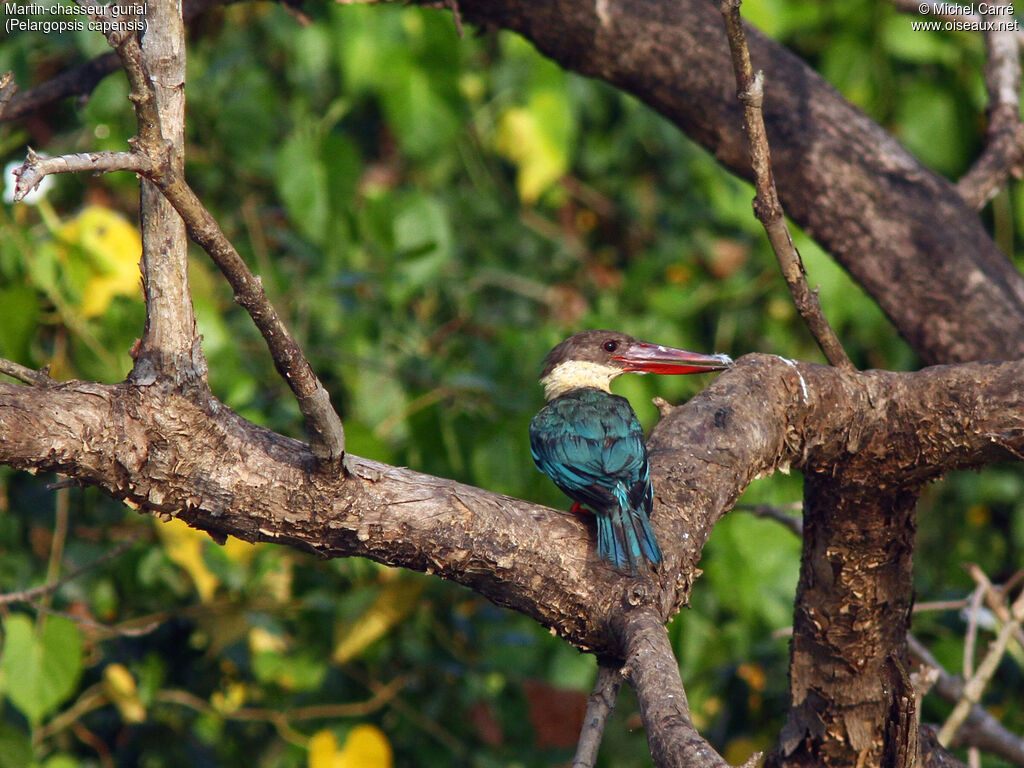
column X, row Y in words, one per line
column 25, row 374
column 74, row 82
column 282, row 721
column 940, row 605
column 95, row 697
column 81, row 80
column 1004, row 146
column 767, row 207
column 973, row 608
column 30, row 595
column 327, row 436
column 971, row 639
column 974, row 687
column 777, row 513
column 980, row 728
column 600, row 706
column 453, row 6
column 995, row 597
column 36, row 168
column 108, row 630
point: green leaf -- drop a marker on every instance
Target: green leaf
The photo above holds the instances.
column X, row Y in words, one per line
column 15, row 747
column 39, row 670
column 301, row 179
column 21, row 316
column 537, row 138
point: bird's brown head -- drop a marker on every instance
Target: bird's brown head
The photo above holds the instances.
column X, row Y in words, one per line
column 594, row 358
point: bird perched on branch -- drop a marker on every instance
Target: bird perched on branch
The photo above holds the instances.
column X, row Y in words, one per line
column 590, row 443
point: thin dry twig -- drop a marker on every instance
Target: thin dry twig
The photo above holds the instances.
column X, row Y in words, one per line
column 74, row 82
column 327, row 435
column 25, row 374
column 975, row 686
column 108, row 630
column 1004, row 143
column 82, row 79
column 980, row 728
column 600, row 706
column 767, row 207
column 995, row 597
column 36, row 168
column 973, row 609
column 282, row 721
column 1004, row 146
column 30, row 595
column 453, row 6
column 777, row 513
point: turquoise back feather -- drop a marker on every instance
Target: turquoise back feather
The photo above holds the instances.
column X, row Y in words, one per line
column 590, row 443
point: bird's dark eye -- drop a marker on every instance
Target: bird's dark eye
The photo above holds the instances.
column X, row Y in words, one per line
column 611, row 345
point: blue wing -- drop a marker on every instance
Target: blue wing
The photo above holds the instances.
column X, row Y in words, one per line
column 591, row 445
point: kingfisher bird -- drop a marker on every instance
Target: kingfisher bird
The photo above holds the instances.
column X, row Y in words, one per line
column 590, row 442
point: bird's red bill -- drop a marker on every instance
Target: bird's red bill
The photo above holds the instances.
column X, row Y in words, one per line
column 643, row 357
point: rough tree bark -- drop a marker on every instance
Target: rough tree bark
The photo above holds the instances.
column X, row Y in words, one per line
column 867, row 442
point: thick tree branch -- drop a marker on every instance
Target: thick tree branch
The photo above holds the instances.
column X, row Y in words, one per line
column 155, row 65
column 172, row 455
column 851, row 620
column 652, row 669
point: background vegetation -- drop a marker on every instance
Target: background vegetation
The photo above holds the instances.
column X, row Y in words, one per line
column 431, row 215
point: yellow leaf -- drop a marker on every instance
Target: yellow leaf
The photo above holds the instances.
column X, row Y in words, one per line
column 262, row 641
column 111, row 247
column 536, row 139
column 184, row 546
column 229, row 701
column 393, row 603
column 323, row 750
column 365, row 747
column 119, row 685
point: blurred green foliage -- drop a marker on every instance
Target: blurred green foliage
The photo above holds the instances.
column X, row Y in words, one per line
column 431, row 215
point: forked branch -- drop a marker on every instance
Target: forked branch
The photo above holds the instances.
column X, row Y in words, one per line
column 155, row 157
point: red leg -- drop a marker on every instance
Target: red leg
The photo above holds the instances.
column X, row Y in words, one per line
column 579, row 509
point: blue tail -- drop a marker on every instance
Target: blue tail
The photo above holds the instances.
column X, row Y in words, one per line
column 625, row 538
